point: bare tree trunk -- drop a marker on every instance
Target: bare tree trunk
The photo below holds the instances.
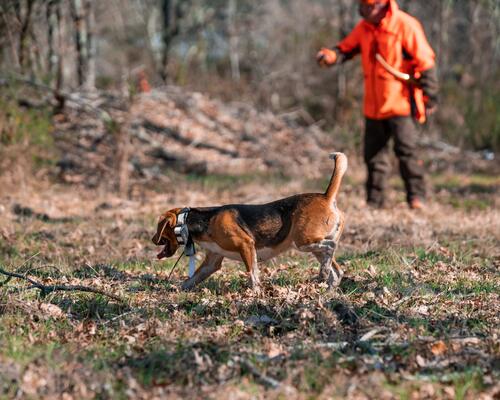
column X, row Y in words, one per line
column 52, row 22
column 77, row 13
column 443, row 44
column 60, row 70
column 476, row 25
column 91, row 44
column 171, row 13
column 344, row 20
column 7, row 23
column 24, row 33
column 167, row 10
column 36, row 64
column 233, row 40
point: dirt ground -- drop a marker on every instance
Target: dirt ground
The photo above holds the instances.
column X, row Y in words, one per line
column 416, row 316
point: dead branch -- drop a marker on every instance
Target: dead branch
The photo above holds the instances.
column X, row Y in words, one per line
column 264, row 379
column 60, row 96
column 46, row 289
column 7, row 280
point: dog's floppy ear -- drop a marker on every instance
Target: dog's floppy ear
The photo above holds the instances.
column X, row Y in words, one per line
column 167, row 219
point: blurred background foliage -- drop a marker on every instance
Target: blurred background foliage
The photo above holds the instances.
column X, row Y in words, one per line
column 260, row 52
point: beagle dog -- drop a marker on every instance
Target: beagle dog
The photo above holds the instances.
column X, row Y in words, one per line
column 309, row 222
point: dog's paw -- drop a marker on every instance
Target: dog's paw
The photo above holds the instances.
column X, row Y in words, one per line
column 187, row 285
column 255, row 288
column 334, row 277
column 323, row 275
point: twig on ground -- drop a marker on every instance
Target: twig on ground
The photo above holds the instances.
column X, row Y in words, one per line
column 264, row 379
column 120, row 316
column 367, row 336
column 329, row 345
column 3, row 283
column 46, row 289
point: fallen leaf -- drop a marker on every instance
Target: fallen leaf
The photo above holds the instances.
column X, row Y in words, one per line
column 274, row 349
column 423, row 310
column 92, row 328
column 32, row 381
column 427, row 391
column 198, row 359
column 369, row 295
column 421, row 362
column 367, row 336
column 439, row 348
column 450, row 391
column 51, row 310
column 306, row 314
column 130, row 339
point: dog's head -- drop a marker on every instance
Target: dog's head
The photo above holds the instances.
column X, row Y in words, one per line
column 165, row 236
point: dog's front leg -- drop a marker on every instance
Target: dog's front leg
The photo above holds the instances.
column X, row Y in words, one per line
column 211, row 264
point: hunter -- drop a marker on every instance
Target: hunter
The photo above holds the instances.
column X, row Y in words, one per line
column 400, row 85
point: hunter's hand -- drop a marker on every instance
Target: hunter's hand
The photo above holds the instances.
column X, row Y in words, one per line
column 326, row 57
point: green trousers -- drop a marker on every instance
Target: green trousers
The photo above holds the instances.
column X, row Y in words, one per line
column 378, row 135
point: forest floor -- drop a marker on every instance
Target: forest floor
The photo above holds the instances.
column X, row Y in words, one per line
column 416, row 315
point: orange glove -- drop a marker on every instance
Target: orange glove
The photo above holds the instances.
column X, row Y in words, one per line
column 326, row 57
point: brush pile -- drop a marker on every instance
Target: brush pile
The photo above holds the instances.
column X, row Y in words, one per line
column 186, row 132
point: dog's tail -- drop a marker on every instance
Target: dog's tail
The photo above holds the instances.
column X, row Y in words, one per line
column 338, row 173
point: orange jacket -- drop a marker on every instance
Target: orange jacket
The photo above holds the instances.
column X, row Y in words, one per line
column 401, row 40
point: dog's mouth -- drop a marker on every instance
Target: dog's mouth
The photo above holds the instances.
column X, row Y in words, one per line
column 164, row 253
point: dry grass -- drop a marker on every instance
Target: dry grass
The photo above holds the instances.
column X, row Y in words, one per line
column 415, row 317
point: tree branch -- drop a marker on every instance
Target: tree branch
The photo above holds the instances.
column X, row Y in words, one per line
column 264, row 379
column 58, row 95
column 46, row 289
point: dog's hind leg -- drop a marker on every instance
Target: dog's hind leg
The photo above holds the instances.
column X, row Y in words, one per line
column 249, row 257
column 329, row 270
column 337, row 274
column 211, row 264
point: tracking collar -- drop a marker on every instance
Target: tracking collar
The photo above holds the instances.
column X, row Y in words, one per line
column 180, row 229
column 181, row 232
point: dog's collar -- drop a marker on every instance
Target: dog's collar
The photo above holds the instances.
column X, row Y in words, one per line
column 181, row 232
